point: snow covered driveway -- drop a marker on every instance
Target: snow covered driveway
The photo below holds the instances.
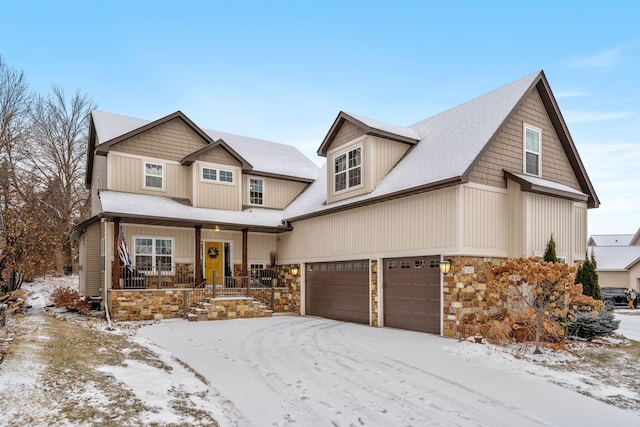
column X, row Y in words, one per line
column 306, row 371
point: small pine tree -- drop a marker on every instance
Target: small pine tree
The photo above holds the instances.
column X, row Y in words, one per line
column 585, row 324
column 550, row 251
column 588, row 277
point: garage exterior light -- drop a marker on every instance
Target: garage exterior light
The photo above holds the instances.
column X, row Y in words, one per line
column 445, row 266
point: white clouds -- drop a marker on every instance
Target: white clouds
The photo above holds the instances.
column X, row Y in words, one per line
column 594, row 116
column 606, row 60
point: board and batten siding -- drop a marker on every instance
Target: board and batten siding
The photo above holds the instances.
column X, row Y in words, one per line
column 550, row 215
column 506, row 150
column 422, row 223
column 184, row 240
column 277, row 193
column 126, row 174
column 384, row 156
column 515, row 221
column 485, row 220
column 215, row 194
column 580, row 230
column 98, row 182
column 172, row 140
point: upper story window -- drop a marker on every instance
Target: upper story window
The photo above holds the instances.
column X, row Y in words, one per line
column 347, row 169
column 532, row 147
column 226, row 176
column 153, row 254
column 256, row 191
column 219, row 175
column 153, row 175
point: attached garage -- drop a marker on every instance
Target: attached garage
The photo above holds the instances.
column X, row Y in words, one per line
column 338, row 290
column 412, row 294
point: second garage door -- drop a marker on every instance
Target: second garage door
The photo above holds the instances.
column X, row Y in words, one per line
column 338, row 290
column 412, row 294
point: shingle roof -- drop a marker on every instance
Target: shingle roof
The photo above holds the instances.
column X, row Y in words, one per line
column 450, row 143
column 265, row 156
column 166, row 208
column 610, row 239
column 616, row 257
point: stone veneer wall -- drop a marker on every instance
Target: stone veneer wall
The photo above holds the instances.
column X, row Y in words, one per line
column 287, row 294
column 146, row 304
column 373, row 271
column 465, row 295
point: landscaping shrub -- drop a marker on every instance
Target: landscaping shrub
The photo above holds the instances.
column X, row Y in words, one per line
column 591, row 324
column 71, row 299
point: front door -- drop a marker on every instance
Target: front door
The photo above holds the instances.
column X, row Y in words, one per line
column 213, row 261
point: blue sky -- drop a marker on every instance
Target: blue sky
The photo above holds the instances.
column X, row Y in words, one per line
column 282, row 71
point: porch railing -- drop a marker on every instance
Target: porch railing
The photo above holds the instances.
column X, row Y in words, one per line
column 161, row 276
column 259, row 285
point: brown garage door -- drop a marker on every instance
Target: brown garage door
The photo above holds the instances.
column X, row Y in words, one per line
column 412, row 293
column 338, row 290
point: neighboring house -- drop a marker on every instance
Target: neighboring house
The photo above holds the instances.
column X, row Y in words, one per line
column 490, row 179
column 617, row 259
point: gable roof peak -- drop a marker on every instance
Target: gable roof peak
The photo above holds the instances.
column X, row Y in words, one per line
column 370, row 127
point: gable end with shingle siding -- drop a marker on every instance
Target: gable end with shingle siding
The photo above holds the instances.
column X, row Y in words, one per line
column 172, row 140
column 506, row 149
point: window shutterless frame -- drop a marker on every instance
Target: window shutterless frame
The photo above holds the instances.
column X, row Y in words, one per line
column 532, row 144
column 347, row 170
column 153, row 176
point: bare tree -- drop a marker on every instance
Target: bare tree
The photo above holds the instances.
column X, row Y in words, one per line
column 15, row 106
column 57, row 151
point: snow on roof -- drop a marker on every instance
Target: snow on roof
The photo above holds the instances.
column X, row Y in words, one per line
column 616, row 257
column 129, row 204
column 109, row 125
column 271, row 157
column 551, row 185
column 611, row 239
column 386, row 127
column 264, row 156
column 449, row 144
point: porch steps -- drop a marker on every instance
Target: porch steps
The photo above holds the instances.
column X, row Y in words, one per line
column 228, row 308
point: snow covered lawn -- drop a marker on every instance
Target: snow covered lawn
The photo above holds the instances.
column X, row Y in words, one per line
column 305, row 371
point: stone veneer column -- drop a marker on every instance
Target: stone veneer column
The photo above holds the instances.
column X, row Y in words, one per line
column 465, row 295
column 373, row 273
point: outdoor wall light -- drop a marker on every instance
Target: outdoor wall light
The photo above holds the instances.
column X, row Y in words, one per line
column 445, row 266
column 216, row 228
column 294, row 271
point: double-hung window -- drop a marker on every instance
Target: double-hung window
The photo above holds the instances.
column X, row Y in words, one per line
column 153, row 175
column 153, row 254
column 532, row 147
column 347, row 169
column 256, row 191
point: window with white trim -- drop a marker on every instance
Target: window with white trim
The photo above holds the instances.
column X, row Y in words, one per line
column 256, row 191
column 153, row 175
column 226, row 176
column 347, row 170
column 213, row 175
column 532, row 147
column 153, row 254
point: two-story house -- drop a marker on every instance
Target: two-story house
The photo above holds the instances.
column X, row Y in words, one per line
column 489, row 179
